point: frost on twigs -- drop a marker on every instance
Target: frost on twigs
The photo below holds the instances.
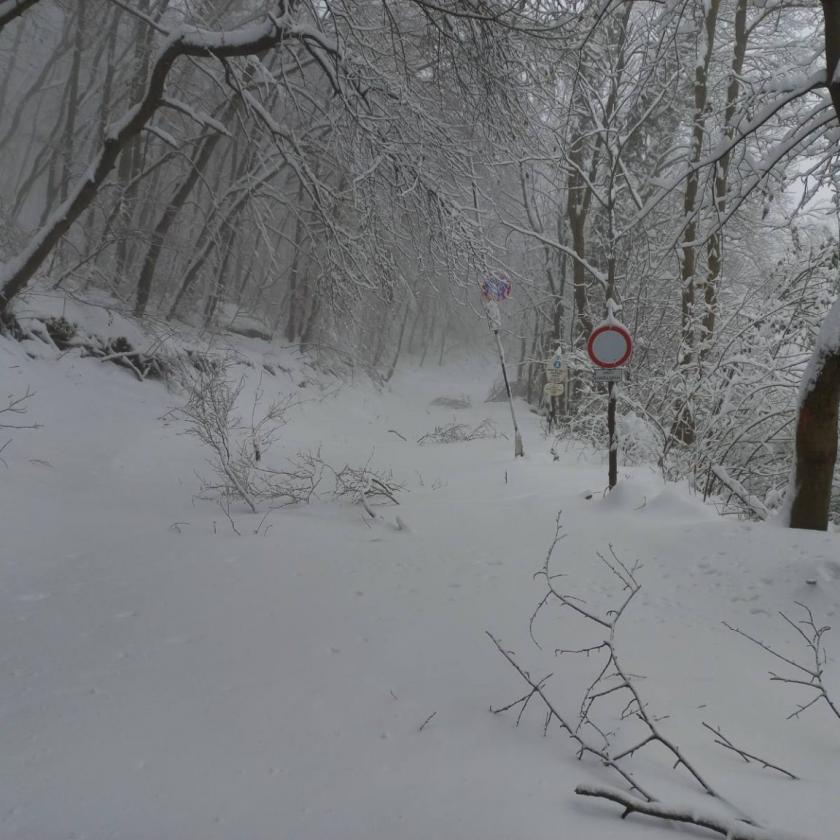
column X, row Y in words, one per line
column 359, row 484
column 458, row 432
column 614, row 721
column 239, row 447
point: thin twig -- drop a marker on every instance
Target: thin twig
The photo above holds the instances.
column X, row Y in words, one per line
column 423, row 725
column 725, row 742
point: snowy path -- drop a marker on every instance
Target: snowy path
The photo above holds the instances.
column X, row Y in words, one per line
column 162, row 680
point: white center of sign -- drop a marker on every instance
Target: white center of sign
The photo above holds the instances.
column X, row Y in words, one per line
column 609, row 347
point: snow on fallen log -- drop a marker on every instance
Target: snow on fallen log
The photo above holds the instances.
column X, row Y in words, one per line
column 736, row 488
column 729, row 828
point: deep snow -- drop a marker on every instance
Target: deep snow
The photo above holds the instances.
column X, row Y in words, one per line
column 162, row 677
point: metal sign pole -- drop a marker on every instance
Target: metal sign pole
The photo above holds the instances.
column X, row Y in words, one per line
column 494, row 288
column 610, row 346
column 613, row 464
column 518, row 450
column 556, row 387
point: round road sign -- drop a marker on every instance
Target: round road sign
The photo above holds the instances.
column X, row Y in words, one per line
column 496, row 286
column 610, row 345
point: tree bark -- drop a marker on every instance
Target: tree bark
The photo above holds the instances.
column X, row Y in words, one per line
column 294, row 322
column 164, row 223
column 816, row 449
column 209, row 237
column 130, row 160
column 816, row 423
column 721, row 181
column 683, row 427
column 4, row 84
column 72, row 94
column 393, row 365
column 577, row 209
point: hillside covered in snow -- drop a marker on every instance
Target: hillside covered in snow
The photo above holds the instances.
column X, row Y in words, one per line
column 173, row 666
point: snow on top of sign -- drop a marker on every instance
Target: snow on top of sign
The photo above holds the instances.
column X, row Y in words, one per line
column 611, row 320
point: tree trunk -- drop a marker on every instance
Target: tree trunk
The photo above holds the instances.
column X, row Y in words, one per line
column 164, row 224
column 25, row 98
column 577, row 223
column 816, row 448
column 816, row 424
column 220, row 283
column 721, row 185
column 72, row 94
column 398, row 349
column 683, row 427
column 128, row 167
column 209, row 237
column 294, row 322
column 311, row 321
column 4, row 84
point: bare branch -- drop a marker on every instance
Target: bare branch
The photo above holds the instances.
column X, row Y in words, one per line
column 813, row 641
column 725, row 742
column 10, row 9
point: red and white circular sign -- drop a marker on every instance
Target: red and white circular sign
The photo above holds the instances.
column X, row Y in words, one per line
column 610, row 345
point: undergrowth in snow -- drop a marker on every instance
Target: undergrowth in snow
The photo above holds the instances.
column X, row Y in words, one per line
column 172, row 669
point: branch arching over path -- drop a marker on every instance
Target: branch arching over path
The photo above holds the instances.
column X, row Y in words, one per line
column 11, row 9
column 16, row 274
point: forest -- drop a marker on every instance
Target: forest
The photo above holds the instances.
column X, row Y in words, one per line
column 280, row 220
column 347, row 174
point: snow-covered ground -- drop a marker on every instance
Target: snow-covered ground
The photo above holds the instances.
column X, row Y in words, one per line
column 162, row 677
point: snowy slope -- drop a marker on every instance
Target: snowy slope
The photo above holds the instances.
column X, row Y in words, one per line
column 163, row 677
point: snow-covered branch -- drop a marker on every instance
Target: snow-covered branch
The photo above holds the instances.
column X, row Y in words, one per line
column 739, row 135
column 569, row 252
column 10, row 9
column 195, row 115
column 187, row 41
column 731, row 829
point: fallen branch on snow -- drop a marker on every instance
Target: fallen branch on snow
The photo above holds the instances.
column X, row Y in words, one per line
column 729, row 828
column 737, row 489
column 458, row 432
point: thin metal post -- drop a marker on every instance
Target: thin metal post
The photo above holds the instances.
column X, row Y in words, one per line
column 518, row 449
column 613, row 468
